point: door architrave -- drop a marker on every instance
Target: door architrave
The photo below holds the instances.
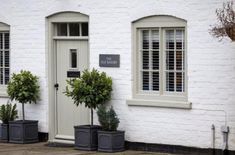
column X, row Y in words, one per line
column 60, row 17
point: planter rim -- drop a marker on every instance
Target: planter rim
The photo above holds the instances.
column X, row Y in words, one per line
column 87, row 127
column 111, row 132
column 4, row 124
column 23, row 122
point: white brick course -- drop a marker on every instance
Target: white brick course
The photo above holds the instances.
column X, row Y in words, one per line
column 211, row 65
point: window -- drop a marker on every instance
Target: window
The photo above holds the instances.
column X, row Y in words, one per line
column 159, row 67
column 167, row 62
column 73, row 58
column 150, row 59
column 4, row 56
column 174, row 60
column 61, row 29
column 71, row 29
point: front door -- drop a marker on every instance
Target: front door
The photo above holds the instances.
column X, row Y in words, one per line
column 71, row 60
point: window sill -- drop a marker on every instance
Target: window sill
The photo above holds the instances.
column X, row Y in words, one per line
column 3, row 95
column 160, row 103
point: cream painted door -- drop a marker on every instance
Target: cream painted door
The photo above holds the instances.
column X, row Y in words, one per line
column 71, row 58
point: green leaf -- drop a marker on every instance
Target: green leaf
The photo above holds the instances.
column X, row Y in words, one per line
column 23, row 87
column 108, row 118
column 92, row 88
column 8, row 113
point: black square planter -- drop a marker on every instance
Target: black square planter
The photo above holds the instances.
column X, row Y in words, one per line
column 86, row 137
column 4, row 132
column 111, row 141
column 23, row 131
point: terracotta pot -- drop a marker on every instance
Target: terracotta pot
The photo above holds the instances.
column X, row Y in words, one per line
column 231, row 32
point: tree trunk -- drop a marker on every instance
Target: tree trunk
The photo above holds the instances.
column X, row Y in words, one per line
column 91, row 117
column 23, row 110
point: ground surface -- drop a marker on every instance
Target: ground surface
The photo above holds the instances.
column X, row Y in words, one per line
column 42, row 149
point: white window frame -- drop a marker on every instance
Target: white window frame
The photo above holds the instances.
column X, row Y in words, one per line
column 152, row 98
column 4, row 28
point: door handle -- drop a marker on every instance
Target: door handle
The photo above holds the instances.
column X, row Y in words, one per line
column 56, row 86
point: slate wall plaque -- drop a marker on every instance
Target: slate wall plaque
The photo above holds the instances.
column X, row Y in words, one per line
column 109, row 60
column 73, row 74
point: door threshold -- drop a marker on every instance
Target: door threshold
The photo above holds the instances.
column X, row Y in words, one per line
column 64, row 137
column 60, row 143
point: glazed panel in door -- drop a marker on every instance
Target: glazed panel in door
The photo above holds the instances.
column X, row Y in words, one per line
column 72, row 57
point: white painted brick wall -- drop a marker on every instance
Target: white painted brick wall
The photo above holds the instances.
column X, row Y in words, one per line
column 211, row 65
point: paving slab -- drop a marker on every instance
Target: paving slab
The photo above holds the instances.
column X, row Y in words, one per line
column 42, row 149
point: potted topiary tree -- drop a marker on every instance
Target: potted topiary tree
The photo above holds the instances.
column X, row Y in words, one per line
column 8, row 113
column 23, row 87
column 92, row 89
column 109, row 138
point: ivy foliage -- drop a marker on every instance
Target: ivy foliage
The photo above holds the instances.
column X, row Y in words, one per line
column 108, row 118
column 23, row 87
column 92, row 88
column 8, row 113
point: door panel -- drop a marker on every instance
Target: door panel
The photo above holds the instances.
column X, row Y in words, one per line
column 72, row 57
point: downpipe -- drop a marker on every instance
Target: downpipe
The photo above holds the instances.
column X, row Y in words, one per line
column 225, row 131
column 213, row 138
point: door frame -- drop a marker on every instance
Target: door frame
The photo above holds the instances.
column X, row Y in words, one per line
column 68, row 16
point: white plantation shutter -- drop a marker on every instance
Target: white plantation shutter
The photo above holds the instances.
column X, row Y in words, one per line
column 145, row 60
column 1, row 40
column 4, row 58
column 172, row 58
column 150, row 60
column 155, row 59
column 174, row 54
